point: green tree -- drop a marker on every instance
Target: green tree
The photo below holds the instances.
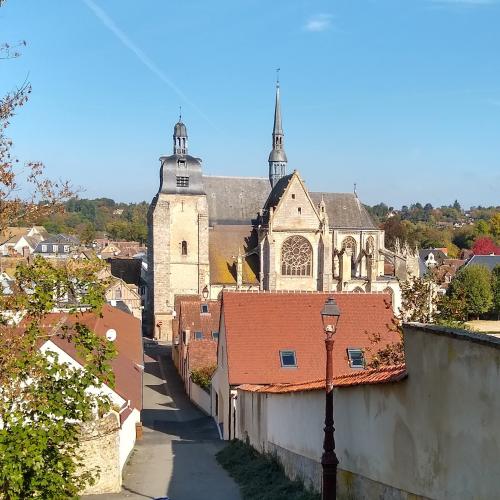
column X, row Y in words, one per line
column 471, row 286
column 495, row 288
column 43, row 401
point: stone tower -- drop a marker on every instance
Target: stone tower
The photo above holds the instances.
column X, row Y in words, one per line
column 177, row 235
column 277, row 157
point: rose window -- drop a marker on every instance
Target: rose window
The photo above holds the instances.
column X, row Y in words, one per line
column 296, row 257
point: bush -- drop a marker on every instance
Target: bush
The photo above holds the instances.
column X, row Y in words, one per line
column 203, row 376
column 260, row 477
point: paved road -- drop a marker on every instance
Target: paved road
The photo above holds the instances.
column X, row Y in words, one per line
column 176, row 455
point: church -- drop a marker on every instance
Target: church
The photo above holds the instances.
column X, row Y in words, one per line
column 209, row 233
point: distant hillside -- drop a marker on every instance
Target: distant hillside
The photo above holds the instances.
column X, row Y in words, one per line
column 94, row 218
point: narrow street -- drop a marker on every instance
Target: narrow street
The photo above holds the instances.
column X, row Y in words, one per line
column 176, row 456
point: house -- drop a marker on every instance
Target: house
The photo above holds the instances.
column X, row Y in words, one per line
column 126, row 396
column 21, row 240
column 60, row 246
column 432, row 257
column 109, row 249
column 125, row 296
column 195, row 341
column 419, row 430
column 278, row 337
column 489, row 261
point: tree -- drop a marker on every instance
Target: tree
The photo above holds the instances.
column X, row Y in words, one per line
column 43, row 401
column 485, row 246
column 495, row 225
column 495, row 288
column 471, row 286
column 457, row 206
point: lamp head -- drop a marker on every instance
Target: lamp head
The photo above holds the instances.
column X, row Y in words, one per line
column 330, row 315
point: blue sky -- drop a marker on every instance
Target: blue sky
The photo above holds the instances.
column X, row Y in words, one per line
column 400, row 96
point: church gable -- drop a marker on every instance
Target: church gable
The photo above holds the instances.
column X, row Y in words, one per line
column 295, row 209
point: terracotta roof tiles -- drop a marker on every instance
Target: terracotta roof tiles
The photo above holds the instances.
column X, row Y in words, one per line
column 365, row 377
column 260, row 325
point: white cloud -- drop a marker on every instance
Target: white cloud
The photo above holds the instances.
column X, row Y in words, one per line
column 319, row 22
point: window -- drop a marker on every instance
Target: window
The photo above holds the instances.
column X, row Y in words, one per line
column 184, row 337
column 356, row 358
column 299, row 209
column 182, row 181
column 118, row 293
column 44, row 248
column 293, row 197
column 198, row 335
column 288, row 359
column 204, row 308
column 296, row 257
column 55, row 248
column 181, row 163
column 215, row 335
column 184, row 248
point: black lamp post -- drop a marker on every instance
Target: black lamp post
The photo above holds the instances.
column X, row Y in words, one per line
column 204, row 292
column 329, row 316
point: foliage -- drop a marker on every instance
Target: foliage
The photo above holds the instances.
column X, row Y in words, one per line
column 203, row 376
column 43, row 400
column 495, row 288
column 485, row 246
column 420, row 303
column 90, row 219
column 471, row 287
column 260, row 477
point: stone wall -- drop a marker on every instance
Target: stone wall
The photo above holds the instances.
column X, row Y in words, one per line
column 100, row 447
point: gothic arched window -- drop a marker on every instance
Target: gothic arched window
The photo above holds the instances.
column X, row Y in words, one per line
column 184, row 248
column 349, row 244
column 296, row 257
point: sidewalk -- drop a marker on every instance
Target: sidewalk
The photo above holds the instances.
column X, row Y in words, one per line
column 176, row 456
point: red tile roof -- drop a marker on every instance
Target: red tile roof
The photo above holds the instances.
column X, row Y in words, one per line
column 202, row 353
column 259, row 325
column 127, row 366
column 364, row 377
column 191, row 318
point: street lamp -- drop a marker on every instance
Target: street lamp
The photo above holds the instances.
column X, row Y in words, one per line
column 204, row 292
column 329, row 316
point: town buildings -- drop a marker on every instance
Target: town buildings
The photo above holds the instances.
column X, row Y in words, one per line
column 258, row 233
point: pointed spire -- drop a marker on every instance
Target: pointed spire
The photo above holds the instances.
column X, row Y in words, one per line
column 277, row 158
column 277, row 129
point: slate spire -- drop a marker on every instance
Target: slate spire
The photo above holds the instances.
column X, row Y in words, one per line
column 277, row 158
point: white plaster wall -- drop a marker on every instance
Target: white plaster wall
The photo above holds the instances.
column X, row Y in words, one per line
column 127, row 436
column 200, row 397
